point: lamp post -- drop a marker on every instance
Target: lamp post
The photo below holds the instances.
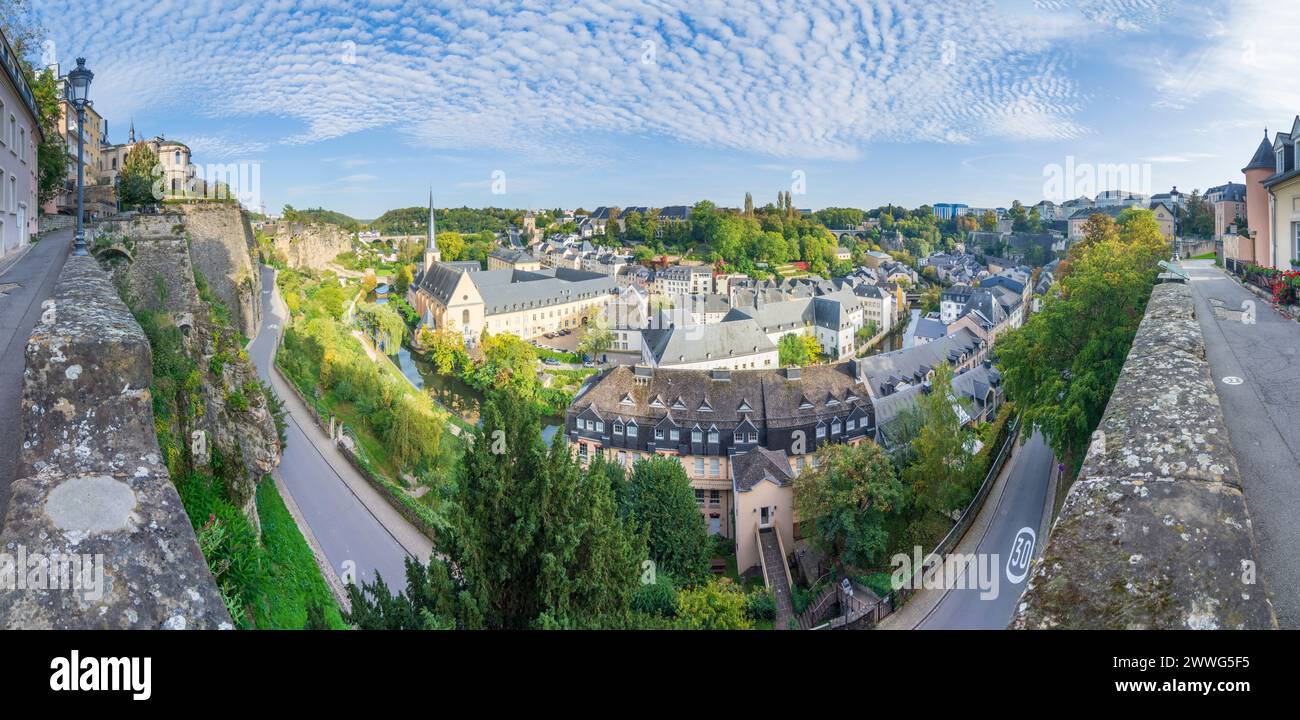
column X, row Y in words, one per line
column 78, row 90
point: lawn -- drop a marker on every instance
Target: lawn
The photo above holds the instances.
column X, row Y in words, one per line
column 1205, row 256
column 295, row 580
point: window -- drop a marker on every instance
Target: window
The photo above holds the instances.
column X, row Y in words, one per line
column 852, row 424
column 582, row 450
column 22, row 144
column 699, row 497
column 631, row 431
column 821, row 431
column 835, row 428
column 618, row 428
column 674, row 435
column 715, row 467
column 659, row 433
column 696, row 435
column 1295, row 234
column 13, row 194
column 715, row 497
column 600, row 426
column 699, row 467
column 622, row 458
column 713, row 437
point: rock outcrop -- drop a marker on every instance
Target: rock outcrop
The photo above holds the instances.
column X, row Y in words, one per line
column 308, row 245
column 92, row 505
column 1155, row 533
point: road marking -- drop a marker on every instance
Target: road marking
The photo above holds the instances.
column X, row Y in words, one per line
column 1232, row 380
column 6, row 287
column 1022, row 552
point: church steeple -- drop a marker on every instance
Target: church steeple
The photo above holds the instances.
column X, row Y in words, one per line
column 132, row 141
column 431, row 252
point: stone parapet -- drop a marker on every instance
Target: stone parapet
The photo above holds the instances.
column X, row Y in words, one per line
column 95, row 535
column 1155, row 532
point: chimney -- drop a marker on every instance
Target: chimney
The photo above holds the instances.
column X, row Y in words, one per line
column 793, row 373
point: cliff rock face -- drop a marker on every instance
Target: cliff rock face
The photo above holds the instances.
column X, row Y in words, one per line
column 93, row 506
column 308, row 245
column 226, row 402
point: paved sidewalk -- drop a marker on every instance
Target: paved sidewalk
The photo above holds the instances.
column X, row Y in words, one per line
column 1255, row 367
column 24, row 285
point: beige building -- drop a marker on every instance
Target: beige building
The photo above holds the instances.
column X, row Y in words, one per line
column 178, row 179
column 459, row 297
column 20, row 133
column 92, row 139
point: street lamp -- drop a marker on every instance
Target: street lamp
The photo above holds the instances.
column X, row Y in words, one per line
column 78, row 90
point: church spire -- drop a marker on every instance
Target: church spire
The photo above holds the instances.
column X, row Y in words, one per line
column 431, row 243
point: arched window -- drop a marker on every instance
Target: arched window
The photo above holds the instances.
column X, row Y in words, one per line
column 464, row 317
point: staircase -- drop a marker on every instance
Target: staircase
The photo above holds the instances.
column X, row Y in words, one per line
column 777, row 576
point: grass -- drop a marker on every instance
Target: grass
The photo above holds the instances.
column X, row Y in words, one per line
column 1204, row 256
column 295, row 580
column 564, row 357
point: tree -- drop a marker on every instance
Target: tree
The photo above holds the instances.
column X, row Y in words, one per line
column 415, row 432
column 446, row 349
column 51, row 152
column 716, row 605
column 851, row 498
column 798, row 349
column 405, row 276
column 597, row 339
column 136, row 181
column 941, row 473
column 1060, row 367
column 509, row 365
column 384, row 323
column 989, row 221
column 660, row 500
column 535, row 541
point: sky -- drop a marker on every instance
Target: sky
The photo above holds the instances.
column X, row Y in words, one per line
column 364, row 106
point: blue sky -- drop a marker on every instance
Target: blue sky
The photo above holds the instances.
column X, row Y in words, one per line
column 360, row 107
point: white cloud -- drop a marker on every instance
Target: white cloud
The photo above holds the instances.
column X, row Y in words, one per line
column 805, row 80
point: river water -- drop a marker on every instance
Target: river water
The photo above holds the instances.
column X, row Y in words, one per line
column 453, row 394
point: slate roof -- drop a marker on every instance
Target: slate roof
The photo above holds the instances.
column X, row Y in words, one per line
column 930, row 329
column 1264, row 157
column 509, row 290
column 699, row 343
column 513, row 256
column 883, row 373
column 750, row 468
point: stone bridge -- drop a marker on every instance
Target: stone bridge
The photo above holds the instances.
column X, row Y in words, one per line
column 1155, row 533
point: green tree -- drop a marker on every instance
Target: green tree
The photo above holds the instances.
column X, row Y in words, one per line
column 509, row 364
column 715, row 605
column 941, row 472
column 136, row 183
column 535, row 541
column 798, row 349
column 384, row 323
column 1061, row 366
column 597, row 339
column 660, row 499
column 446, row 349
column 851, row 498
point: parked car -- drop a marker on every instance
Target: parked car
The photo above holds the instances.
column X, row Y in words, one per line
column 550, row 361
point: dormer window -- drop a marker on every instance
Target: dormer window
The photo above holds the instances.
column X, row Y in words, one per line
column 697, row 435
column 1281, row 159
column 704, row 406
column 631, row 429
column 618, row 428
column 627, row 400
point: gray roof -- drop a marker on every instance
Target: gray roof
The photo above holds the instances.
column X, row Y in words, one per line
column 699, row 343
column 883, row 373
column 513, row 255
column 930, row 328
column 1264, row 157
column 750, row 468
column 509, row 290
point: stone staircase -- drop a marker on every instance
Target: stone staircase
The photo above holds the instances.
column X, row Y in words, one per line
column 777, row 576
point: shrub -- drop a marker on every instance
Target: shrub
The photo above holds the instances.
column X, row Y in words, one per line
column 658, row 598
column 761, row 605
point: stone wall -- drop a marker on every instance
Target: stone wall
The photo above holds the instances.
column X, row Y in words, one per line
column 1155, row 533
column 308, row 245
column 222, row 248
column 91, row 482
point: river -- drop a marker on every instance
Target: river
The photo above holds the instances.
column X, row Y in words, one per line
column 453, row 394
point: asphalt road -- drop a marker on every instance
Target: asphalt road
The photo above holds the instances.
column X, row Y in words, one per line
column 347, row 530
column 24, row 285
column 1261, row 361
column 1010, row 535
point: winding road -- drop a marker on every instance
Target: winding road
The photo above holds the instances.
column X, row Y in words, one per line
column 348, row 520
column 1009, row 536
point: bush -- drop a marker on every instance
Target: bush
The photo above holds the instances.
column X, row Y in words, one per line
column 658, row 598
column 761, row 605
